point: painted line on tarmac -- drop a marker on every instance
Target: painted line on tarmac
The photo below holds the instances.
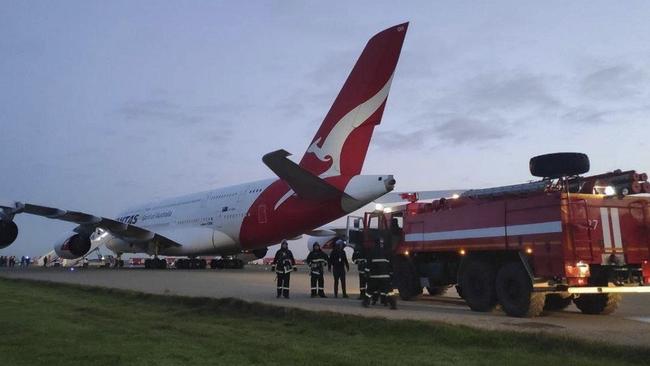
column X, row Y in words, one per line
column 643, row 319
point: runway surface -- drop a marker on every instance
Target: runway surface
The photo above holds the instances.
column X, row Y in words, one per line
column 629, row 325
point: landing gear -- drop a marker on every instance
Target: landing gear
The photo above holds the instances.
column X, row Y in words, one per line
column 155, row 263
column 119, row 262
column 191, row 263
column 227, row 262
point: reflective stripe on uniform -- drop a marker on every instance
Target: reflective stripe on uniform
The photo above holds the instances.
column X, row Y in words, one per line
column 380, row 260
column 379, row 276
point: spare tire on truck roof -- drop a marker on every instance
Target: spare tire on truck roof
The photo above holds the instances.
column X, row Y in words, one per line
column 558, row 165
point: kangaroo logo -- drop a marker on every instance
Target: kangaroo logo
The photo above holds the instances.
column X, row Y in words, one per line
column 330, row 149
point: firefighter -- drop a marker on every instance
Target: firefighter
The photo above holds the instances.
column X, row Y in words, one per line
column 359, row 258
column 339, row 261
column 379, row 278
column 283, row 264
column 317, row 260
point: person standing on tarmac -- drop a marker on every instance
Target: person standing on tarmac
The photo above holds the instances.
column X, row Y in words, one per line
column 359, row 258
column 283, row 264
column 317, row 260
column 339, row 260
column 379, row 278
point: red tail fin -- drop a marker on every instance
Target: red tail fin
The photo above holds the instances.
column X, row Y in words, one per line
column 341, row 143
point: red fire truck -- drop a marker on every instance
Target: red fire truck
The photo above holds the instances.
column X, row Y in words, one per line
column 529, row 247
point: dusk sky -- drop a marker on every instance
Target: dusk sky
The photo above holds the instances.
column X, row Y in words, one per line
column 107, row 104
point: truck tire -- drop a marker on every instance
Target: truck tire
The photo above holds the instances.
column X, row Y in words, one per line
column 405, row 278
column 437, row 290
column 602, row 304
column 558, row 165
column 557, row 302
column 476, row 279
column 515, row 292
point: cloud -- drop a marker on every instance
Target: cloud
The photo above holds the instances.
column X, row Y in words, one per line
column 614, row 82
column 468, row 130
column 448, row 130
column 160, row 110
column 508, row 91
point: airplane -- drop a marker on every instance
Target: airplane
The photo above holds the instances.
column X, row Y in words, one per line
column 249, row 217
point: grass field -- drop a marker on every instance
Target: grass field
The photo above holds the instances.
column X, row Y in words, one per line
column 53, row 324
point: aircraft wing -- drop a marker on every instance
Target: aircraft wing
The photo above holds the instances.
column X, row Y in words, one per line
column 88, row 223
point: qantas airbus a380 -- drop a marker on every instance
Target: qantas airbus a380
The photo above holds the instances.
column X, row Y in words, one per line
column 324, row 186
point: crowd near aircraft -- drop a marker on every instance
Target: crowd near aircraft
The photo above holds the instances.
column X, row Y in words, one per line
column 326, row 184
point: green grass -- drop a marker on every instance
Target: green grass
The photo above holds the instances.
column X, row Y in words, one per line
column 53, row 324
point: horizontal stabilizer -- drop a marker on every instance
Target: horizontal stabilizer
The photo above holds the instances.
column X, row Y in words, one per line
column 305, row 184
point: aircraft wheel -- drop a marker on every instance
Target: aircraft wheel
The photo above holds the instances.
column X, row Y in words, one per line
column 203, row 264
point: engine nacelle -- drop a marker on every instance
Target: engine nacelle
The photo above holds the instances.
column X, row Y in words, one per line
column 8, row 233
column 73, row 247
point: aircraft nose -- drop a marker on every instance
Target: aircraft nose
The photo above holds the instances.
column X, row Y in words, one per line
column 389, row 182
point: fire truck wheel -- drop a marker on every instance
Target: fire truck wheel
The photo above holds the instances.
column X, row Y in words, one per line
column 437, row 290
column 557, row 302
column 476, row 280
column 558, row 165
column 405, row 278
column 515, row 292
column 597, row 303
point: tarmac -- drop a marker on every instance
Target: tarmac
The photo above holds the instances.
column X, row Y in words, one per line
column 629, row 325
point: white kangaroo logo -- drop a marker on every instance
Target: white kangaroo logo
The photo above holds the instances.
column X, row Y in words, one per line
column 330, row 149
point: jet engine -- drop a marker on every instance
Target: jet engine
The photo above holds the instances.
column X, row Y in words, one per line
column 75, row 246
column 8, row 233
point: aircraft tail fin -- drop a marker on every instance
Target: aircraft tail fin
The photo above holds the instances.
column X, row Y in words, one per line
column 341, row 143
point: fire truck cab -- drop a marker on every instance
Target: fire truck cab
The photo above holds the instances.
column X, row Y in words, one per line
column 529, row 247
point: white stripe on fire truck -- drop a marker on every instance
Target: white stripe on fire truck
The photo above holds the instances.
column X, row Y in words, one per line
column 604, row 222
column 525, row 229
column 616, row 228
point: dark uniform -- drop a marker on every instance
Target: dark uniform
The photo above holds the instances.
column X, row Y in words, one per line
column 283, row 263
column 339, row 262
column 379, row 278
column 359, row 258
column 317, row 260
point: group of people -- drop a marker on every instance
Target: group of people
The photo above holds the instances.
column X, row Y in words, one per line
column 10, row 261
column 374, row 271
